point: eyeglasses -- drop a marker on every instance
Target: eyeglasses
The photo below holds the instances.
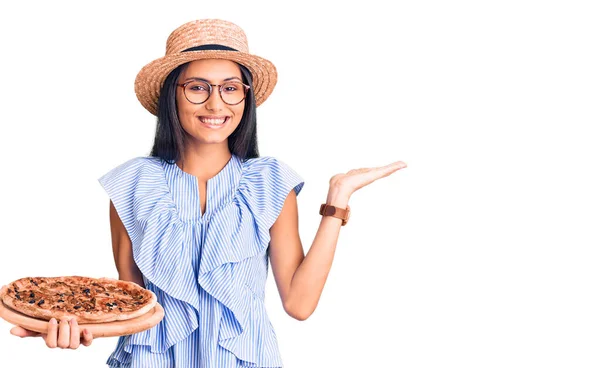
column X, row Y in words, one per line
column 198, row 91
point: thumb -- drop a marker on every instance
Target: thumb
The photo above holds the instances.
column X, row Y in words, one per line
column 21, row 332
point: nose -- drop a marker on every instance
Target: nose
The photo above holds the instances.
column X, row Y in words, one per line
column 214, row 102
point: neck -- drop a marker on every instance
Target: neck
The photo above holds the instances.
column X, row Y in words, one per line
column 205, row 160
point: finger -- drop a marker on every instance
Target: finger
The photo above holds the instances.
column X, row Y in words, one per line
column 63, row 334
column 75, row 336
column 21, row 332
column 400, row 164
column 52, row 333
column 379, row 172
column 383, row 171
column 87, row 337
column 373, row 174
column 394, row 166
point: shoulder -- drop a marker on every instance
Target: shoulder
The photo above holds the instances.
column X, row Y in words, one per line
column 269, row 174
column 138, row 162
column 258, row 163
column 265, row 165
column 133, row 167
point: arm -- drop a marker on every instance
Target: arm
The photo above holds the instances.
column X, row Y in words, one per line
column 300, row 279
column 122, row 251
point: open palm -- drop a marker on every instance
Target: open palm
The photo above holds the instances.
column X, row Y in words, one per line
column 355, row 179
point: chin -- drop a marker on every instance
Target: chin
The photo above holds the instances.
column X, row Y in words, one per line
column 209, row 140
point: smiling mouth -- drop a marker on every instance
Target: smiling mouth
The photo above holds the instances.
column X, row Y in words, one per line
column 215, row 121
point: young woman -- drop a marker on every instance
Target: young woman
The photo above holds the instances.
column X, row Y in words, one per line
column 199, row 219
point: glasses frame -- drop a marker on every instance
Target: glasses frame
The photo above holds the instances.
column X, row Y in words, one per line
column 210, row 91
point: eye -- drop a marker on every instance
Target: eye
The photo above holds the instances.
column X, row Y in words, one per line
column 232, row 87
column 198, row 87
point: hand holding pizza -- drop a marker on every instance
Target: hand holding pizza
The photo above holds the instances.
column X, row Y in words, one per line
column 69, row 311
column 64, row 335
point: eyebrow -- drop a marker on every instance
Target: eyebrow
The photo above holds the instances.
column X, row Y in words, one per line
column 207, row 81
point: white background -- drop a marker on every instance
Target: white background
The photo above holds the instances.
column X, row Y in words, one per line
column 482, row 253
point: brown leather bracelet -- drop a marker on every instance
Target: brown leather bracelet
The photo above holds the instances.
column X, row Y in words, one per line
column 341, row 213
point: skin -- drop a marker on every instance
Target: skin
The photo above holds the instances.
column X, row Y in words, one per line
column 64, row 334
column 300, row 278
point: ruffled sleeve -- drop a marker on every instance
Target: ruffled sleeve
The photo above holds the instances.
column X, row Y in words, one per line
column 120, row 184
column 276, row 181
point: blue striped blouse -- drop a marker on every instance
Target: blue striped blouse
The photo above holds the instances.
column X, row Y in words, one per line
column 209, row 269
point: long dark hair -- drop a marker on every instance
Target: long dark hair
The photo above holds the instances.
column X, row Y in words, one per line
column 169, row 137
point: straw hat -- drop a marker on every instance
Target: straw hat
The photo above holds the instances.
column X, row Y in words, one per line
column 208, row 39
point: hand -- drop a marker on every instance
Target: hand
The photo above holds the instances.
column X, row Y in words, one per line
column 353, row 180
column 65, row 335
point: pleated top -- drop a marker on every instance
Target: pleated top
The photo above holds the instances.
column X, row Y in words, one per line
column 209, row 269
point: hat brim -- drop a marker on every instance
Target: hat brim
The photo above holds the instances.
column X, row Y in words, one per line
column 151, row 77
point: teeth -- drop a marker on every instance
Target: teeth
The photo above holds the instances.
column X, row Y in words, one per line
column 213, row 121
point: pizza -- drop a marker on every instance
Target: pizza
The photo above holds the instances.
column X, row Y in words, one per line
column 86, row 299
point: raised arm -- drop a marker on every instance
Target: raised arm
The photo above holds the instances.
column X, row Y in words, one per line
column 300, row 279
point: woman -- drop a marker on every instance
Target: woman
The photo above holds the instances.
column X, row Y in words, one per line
column 199, row 219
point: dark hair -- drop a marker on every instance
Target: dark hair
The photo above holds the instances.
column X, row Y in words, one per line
column 169, row 137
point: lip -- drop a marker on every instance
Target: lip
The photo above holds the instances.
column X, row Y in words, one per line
column 227, row 119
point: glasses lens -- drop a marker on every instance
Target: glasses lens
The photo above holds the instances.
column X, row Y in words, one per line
column 233, row 92
column 197, row 92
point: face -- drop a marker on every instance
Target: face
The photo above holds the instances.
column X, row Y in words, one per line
column 212, row 121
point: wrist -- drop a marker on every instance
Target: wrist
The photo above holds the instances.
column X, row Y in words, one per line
column 337, row 197
column 336, row 206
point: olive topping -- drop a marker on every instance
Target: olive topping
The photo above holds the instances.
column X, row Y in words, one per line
column 41, row 302
column 61, row 301
column 87, row 291
column 120, row 309
column 18, row 296
column 32, row 295
column 33, row 282
column 31, row 301
column 77, row 306
column 107, row 294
